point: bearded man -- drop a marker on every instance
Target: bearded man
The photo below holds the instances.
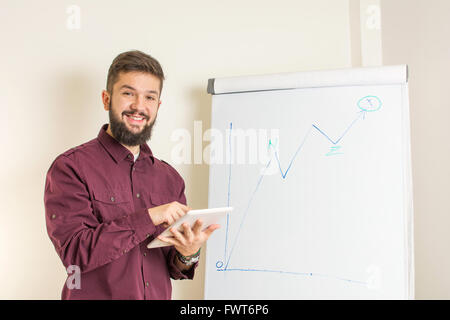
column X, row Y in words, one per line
column 106, row 199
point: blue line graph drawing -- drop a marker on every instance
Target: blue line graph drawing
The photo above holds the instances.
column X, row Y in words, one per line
column 365, row 104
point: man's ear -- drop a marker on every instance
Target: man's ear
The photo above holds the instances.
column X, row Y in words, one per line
column 159, row 104
column 106, row 99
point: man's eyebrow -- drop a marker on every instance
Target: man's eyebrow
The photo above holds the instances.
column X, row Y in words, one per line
column 126, row 86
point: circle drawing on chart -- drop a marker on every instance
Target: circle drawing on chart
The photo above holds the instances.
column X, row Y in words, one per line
column 369, row 103
column 219, row 264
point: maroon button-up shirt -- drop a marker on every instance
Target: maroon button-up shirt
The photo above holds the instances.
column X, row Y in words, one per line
column 96, row 201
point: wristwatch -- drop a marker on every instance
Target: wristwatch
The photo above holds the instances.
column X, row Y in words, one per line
column 189, row 260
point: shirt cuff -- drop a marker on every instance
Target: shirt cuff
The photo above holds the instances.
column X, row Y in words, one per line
column 175, row 272
column 142, row 224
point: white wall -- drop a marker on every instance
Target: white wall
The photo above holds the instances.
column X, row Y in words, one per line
column 52, row 78
column 416, row 32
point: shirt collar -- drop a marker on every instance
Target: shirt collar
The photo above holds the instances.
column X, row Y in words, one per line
column 117, row 151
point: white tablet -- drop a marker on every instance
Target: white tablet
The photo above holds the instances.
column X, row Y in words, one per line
column 208, row 217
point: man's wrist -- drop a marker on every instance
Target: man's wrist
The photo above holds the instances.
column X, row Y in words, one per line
column 189, row 260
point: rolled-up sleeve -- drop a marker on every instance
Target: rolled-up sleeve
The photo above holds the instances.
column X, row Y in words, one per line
column 175, row 272
column 78, row 236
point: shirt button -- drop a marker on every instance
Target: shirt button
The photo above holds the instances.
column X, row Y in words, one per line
column 134, row 168
column 147, row 284
column 112, row 199
column 138, row 195
column 145, row 254
column 53, row 216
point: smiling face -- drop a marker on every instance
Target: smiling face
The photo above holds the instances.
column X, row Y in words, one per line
column 133, row 106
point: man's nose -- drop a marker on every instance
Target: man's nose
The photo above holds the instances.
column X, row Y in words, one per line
column 138, row 103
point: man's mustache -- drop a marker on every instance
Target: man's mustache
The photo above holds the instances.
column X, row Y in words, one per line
column 141, row 114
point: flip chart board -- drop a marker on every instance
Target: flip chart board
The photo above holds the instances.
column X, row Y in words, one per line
column 317, row 167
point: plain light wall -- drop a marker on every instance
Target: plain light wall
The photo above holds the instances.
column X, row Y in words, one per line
column 52, row 79
column 416, row 32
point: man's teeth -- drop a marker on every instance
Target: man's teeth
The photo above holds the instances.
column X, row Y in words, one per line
column 136, row 118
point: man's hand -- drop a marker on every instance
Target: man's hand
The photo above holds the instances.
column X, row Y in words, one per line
column 167, row 213
column 188, row 241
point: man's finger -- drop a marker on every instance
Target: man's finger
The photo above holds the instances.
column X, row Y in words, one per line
column 211, row 229
column 169, row 240
column 180, row 213
column 181, row 206
column 184, row 207
column 187, row 231
column 170, row 220
column 178, row 236
column 197, row 226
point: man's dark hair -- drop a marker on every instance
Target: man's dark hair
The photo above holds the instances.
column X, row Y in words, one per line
column 133, row 61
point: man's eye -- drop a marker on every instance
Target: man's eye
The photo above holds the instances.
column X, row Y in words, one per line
column 150, row 98
column 127, row 93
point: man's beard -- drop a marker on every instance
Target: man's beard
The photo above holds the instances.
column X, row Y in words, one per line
column 125, row 136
